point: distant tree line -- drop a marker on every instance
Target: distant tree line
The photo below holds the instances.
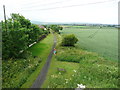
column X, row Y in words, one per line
column 56, row 28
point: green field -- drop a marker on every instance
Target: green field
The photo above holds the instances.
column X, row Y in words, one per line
column 103, row 41
column 90, row 69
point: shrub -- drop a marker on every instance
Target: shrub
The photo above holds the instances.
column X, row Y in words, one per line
column 69, row 40
column 56, row 28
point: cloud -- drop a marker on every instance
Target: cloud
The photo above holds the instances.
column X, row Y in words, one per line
column 106, row 13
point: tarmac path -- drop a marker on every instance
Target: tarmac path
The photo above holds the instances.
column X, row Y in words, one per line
column 42, row 76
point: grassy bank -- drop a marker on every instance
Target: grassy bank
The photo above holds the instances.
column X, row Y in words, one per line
column 21, row 73
column 80, row 67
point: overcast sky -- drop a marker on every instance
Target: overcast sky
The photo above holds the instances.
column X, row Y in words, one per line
column 84, row 11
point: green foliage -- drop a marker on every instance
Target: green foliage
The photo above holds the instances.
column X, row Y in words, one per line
column 56, row 28
column 56, row 81
column 73, row 55
column 96, row 73
column 13, row 42
column 21, row 73
column 14, row 69
column 93, row 71
column 69, row 40
column 19, row 35
column 21, row 20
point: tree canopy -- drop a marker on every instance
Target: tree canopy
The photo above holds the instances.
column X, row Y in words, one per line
column 56, row 28
column 19, row 35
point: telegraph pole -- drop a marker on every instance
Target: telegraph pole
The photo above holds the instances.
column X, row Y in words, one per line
column 5, row 17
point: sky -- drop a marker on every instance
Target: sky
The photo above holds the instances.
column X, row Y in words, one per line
column 83, row 11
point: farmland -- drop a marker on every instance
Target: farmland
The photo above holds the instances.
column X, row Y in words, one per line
column 83, row 63
column 81, row 67
column 103, row 41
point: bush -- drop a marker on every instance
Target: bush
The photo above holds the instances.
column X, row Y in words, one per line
column 69, row 40
column 56, row 28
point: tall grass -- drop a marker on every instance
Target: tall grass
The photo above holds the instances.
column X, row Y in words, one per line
column 93, row 72
column 73, row 55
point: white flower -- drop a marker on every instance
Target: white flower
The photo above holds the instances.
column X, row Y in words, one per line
column 52, row 76
column 98, row 65
column 74, row 70
column 29, row 66
column 80, row 86
column 66, row 82
column 59, row 73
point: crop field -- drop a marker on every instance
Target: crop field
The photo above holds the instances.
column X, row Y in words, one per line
column 103, row 41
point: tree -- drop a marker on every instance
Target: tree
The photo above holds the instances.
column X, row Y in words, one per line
column 19, row 35
column 56, row 28
column 69, row 40
column 21, row 20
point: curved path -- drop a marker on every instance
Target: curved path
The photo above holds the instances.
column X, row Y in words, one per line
column 42, row 76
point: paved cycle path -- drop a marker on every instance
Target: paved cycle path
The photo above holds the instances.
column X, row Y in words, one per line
column 42, row 76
